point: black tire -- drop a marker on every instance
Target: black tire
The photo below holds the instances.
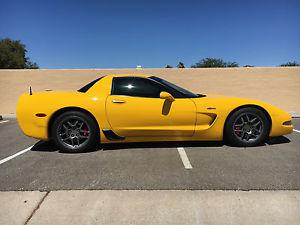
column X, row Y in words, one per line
column 252, row 133
column 73, row 137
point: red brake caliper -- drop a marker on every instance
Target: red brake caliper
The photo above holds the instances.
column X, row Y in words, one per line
column 85, row 132
column 237, row 130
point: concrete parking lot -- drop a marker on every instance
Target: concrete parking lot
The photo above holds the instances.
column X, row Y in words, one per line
column 149, row 183
column 148, row 166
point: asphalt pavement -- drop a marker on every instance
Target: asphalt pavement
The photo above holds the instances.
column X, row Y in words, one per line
column 149, row 166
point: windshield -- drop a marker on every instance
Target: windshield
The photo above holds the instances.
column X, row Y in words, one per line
column 183, row 91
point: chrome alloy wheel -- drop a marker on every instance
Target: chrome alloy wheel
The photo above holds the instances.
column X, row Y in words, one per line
column 248, row 127
column 73, row 132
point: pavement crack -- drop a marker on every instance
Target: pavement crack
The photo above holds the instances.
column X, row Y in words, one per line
column 37, row 207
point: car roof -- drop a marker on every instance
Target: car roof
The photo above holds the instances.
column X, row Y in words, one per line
column 128, row 75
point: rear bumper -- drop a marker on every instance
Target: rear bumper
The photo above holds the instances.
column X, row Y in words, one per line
column 278, row 128
column 30, row 124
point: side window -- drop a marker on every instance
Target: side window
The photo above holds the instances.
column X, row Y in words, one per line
column 136, row 86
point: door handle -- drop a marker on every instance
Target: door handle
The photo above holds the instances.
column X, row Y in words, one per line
column 118, row 101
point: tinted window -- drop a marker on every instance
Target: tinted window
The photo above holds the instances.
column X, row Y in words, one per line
column 136, row 86
column 185, row 93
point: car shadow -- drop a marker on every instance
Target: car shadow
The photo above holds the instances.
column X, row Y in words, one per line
column 48, row 146
column 44, row 146
column 170, row 144
column 278, row 140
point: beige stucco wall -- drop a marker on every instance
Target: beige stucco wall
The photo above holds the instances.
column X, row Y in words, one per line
column 277, row 85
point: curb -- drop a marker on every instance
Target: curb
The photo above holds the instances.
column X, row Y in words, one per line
column 8, row 116
column 294, row 114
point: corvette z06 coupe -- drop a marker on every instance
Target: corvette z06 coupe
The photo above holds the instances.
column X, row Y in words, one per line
column 142, row 108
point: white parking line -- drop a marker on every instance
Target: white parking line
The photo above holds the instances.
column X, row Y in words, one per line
column 298, row 131
column 185, row 160
column 4, row 121
column 15, row 155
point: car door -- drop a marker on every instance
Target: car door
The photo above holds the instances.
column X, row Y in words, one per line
column 134, row 109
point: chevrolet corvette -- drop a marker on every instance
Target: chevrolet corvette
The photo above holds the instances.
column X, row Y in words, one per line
column 143, row 108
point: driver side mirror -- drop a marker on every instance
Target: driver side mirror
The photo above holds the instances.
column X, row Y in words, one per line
column 167, row 96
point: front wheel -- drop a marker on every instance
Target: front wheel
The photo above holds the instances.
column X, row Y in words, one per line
column 247, row 127
column 74, row 131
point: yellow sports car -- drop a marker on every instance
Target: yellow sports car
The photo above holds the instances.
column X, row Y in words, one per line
column 142, row 108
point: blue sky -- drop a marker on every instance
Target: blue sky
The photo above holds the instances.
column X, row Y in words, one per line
column 118, row 34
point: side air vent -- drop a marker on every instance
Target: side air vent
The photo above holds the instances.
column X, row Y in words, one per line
column 110, row 135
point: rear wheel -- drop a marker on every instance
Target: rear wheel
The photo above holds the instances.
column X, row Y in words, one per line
column 74, row 131
column 247, row 127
